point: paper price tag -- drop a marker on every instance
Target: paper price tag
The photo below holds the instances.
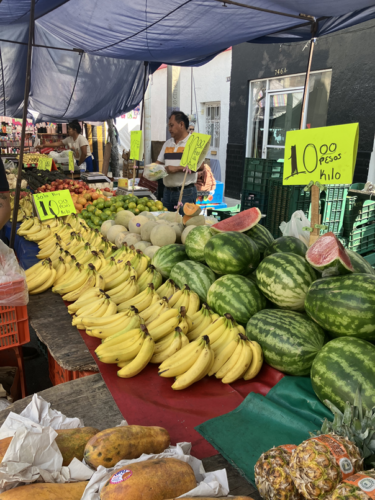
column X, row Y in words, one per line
column 195, row 151
column 136, row 145
column 54, row 204
column 327, row 155
column 44, row 163
column 71, row 161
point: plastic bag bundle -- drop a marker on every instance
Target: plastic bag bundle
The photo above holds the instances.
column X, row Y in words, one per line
column 154, row 172
column 13, row 288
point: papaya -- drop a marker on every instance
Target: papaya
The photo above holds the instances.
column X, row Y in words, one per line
column 112, row 445
column 150, row 480
column 191, row 209
column 71, row 443
column 46, row 491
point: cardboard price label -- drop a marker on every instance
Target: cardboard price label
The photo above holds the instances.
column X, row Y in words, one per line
column 136, row 145
column 54, row 204
column 195, row 151
column 44, row 163
column 327, row 155
column 71, row 161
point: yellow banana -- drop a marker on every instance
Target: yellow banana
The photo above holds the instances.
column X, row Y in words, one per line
column 157, row 307
column 256, row 362
column 75, row 294
column 182, row 360
column 78, row 279
column 141, row 360
column 41, row 278
column 111, row 310
column 175, row 346
column 130, row 291
column 87, row 310
column 92, row 322
column 99, row 281
column 184, row 299
column 33, row 269
column 194, row 303
column 48, row 283
column 114, row 355
column 140, row 301
column 163, row 330
column 198, row 370
column 163, row 318
column 129, row 353
column 202, row 328
column 107, row 331
column 232, row 361
column 158, row 313
column 164, row 343
column 223, row 356
column 174, row 298
column 240, row 368
column 127, row 326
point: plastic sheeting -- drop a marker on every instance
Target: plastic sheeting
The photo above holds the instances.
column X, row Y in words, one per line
column 118, row 35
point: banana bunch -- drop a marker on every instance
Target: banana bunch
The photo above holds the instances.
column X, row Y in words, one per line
column 241, row 358
column 115, row 282
column 141, row 301
column 185, row 298
column 102, row 307
column 125, row 292
column 29, row 227
column 164, row 324
column 132, row 354
column 112, row 327
column 169, row 345
column 151, row 275
column 78, row 281
column 200, row 321
column 190, row 364
column 154, row 310
column 41, row 278
column 168, row 289
column 25, row 208
column 140, row 262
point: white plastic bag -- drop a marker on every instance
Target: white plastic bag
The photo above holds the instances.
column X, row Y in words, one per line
column 295, row 227
column 13, row 288
column 154, row 172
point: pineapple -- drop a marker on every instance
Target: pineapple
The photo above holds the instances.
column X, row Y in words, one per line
column 358, row 487
column 319, row 464
column 272, row 476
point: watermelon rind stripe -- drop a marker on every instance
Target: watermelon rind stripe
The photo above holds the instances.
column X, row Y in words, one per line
column 341, row 367
column 261, row 236
column 167, row 257
column 197, row 276
column 196, row 241
column 359, row 264
column 286, row 244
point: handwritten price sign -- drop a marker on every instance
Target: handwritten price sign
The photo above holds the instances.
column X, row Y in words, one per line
column 136, row 145
column 195, row 151
column 326, row 154
column 44, row 163
column 54, row 204
column 71, row 161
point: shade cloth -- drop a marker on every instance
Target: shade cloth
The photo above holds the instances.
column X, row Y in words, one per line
column 117, row 36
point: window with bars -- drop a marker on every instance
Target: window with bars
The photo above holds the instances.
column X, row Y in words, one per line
column 213, row 123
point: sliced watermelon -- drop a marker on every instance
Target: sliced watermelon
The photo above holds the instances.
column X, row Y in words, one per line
column 328, row 256
column 241, row 222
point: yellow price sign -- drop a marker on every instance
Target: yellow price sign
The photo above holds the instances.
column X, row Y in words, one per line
column 195, row 151
column 71, row 161
column 54, row 204
column 136, row 145
column 327, row 155
column 44, row 163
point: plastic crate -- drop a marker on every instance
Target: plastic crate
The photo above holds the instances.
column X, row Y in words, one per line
column 258, row 171
column 300, row 200
column 59, row 375
column 370, row 257
column 361, row 239
column 14, row 321
column 334, row 198
column 357, row 212
column 250, row 199
column 222, row 214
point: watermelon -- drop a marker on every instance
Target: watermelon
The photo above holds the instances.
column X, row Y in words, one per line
column 328, row 256
column 240, row 222
column 284, row 278
column 340, row 368
column 231, row 253
column 198, row 277
column 289, row 340
column 237, row 296
column 344, row 305
column 262, row 237
column 196, row 241
column 286, row 244
column 360, row 265
column 167, row 257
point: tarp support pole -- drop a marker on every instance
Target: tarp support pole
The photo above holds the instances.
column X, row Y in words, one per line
column 24, row 120
column 136, row 163
column 305, row 90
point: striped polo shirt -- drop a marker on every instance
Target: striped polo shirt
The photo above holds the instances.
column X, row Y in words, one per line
column 171, row 154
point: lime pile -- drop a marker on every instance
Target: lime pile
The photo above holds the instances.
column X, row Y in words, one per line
column 100, row 210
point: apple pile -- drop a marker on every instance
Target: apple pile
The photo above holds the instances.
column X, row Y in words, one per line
column 74, row 186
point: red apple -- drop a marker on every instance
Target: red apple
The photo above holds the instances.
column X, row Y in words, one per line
column 53, row 188
column 76, row 190
column 60, row 187
column 80, row 191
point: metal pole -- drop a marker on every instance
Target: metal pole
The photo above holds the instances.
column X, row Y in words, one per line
column 305, row 90
column 24, row 119
column 191, row 91
column 136, row 163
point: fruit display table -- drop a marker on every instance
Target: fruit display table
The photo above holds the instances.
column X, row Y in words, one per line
column 86, row 398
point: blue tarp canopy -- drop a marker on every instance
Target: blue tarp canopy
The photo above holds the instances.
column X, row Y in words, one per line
column 116, row 37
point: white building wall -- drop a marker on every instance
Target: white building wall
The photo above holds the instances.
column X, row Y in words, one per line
column 212, row 84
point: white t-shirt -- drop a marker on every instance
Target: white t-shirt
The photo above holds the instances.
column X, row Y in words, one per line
column 171, row 154
column 77, row 144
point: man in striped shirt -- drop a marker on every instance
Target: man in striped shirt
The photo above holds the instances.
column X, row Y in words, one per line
column 170, row 156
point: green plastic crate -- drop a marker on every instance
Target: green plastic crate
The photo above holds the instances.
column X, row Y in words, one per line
column 358, row 212
column 334, row 199
column 223, row 213
column 370, row 257
column 258, row 171
column 361, row 239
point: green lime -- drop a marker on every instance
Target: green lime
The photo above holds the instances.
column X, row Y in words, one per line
column 104, row 216
column 119, row 204
column 126, row 206
column 100, row 206
column 141, row 208
column 97, row 212
column 132, row 210
column 91, row 208
column 93, row 216
column 96, row 221
column 95, row 202
column 120, row 209
column 132, row 205
column 146, row 209
column 107, row 204
column 136, row 211
column 113, row 208
column 149, row 204
column 107, row 211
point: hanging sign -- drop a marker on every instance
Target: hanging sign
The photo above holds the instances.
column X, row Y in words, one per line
column 44, row 163
column 54, row 204
column 71, row 161
column 195, row 151
column 327, row 155
column 136, row 145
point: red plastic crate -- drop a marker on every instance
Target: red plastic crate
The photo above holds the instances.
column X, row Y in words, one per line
column 14, row 320
column 59, row 375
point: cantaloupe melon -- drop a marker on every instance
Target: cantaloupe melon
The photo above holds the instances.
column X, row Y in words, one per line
column 132, row 238
column 162, row 235
column 178, row 228
column 191, row 209
column 185, row 232
column 146, row 230
column 106, row 226
column 170, row 217
column 114, row 231
column 151, row 251
column 124, row 217
column 136, row 223
column 148, row 215
column 196, row 221
column 142, row 245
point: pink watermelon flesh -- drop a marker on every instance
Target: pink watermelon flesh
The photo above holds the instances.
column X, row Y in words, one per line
column 328, row 252
column 241, row 222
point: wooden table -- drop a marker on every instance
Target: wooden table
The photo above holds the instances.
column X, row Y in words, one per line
column 89, row 399
column 53, row 325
